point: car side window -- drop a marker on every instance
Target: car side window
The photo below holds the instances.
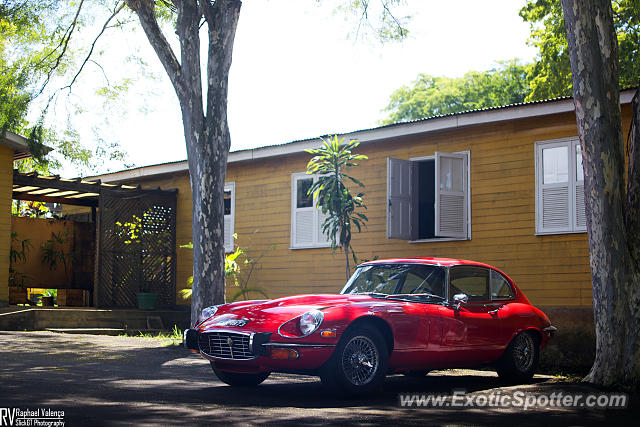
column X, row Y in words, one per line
column 500, row 287
column 470, row 280
column 423, row 279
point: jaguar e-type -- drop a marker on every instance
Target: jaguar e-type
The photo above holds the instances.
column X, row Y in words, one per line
column 408, row 315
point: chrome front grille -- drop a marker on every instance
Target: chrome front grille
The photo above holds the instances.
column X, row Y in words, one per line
column 225, row 345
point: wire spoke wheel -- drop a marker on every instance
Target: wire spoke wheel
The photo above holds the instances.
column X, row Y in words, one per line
column 360, row 360
column 523, row 352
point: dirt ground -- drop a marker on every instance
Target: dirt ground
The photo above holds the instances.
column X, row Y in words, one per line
column 103, row 380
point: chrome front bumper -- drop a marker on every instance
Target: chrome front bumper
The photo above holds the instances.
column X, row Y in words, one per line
column 259, row 342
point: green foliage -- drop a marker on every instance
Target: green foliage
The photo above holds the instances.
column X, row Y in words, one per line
column 430, row 96
column 36, row 48
column 129, row 231
column 241, row 276
column 18, row 253
column 54, row 254
column 331, row 163
column 550, row 75
column 30, row 36
column 250, row 264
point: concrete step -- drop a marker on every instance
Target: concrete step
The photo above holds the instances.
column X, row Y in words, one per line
column 106, row 331
column 89, row 331
column 39, row 319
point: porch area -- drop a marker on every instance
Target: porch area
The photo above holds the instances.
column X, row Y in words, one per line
column 115, row 249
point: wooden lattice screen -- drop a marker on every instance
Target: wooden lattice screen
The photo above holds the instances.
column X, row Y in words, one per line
column 137, row 247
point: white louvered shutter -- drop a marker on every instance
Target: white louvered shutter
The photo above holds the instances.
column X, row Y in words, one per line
column 304, row 229
column 398, row 199
column 229, row 217
column 322, row 238
column 581, row 218
column 451, row 195
column 555, row 207
column 228, row 233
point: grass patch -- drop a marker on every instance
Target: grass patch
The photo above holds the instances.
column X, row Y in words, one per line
column 168, row 338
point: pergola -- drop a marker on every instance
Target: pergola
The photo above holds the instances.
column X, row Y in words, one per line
column 124, row 265
column 54, row 189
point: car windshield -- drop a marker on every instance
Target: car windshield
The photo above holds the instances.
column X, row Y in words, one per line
column 398, row 281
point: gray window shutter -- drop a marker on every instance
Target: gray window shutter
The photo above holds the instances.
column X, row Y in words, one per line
column 451, row 195
column 398, row 199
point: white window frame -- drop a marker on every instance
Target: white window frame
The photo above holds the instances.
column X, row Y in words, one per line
column 319, row 241
column 231, row 218
column 571, row 143
column 468, row 179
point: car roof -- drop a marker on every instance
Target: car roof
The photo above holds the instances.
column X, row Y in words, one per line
column 447, row 262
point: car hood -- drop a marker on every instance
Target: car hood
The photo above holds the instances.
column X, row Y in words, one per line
column 263, row 315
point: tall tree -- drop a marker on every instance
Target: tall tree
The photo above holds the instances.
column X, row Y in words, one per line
column 612, row 211
column 331, row 163
column 35, row 49
column 206, row 131
column 430, row 96
column 550, row 75
column 205, row 120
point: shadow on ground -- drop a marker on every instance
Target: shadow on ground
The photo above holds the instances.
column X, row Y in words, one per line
column 100, row 380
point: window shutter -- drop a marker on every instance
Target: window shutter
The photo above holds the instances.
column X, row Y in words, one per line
column 581, row 217
column 398, row 199
column 304, row 229
column 322, row 238
column 228, row 233
column 555, row 208
column 451, row 195
column 229, row 219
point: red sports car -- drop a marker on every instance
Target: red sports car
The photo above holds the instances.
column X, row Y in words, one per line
column 408, row 315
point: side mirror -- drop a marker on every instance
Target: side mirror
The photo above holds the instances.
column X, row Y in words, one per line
column 459, row 299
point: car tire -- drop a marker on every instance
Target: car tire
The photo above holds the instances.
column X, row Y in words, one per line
column 520, row 359
column 417, row 374
column 359, row 363
column 235, row 379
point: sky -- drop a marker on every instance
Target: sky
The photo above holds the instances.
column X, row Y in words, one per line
column 298, row 73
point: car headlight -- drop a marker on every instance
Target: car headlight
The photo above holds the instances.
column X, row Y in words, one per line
column 208, row 312
column 310, row 321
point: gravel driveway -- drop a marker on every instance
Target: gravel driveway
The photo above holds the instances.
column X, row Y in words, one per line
column 103, row 380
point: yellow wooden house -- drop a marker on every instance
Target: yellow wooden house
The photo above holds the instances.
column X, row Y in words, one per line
column 502, row 186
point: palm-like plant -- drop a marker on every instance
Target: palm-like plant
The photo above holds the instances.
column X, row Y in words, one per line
column 330, row 163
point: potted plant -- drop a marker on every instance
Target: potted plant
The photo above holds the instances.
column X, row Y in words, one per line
column 17, row 281
column 49, row 297
column 146, row 298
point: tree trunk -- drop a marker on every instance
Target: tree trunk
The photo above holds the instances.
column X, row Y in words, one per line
column 207, row 136
column 346, row 254
column 594, row 63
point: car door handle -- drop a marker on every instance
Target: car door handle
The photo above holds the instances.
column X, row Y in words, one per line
column 494, row 311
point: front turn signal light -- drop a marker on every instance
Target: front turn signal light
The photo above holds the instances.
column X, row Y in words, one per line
column 328, row 333
column 284, row 353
